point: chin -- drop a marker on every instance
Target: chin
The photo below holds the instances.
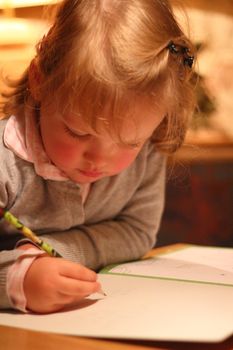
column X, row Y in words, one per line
column 83, row 179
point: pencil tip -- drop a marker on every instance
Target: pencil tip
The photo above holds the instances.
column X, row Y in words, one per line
column 102, row 292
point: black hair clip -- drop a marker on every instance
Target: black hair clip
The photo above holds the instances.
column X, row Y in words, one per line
column 172, row 48
column 187, row 59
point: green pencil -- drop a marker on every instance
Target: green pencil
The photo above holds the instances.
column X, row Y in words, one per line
column 28, row 233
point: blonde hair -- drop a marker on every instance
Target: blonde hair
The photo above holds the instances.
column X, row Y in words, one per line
column 99, row 51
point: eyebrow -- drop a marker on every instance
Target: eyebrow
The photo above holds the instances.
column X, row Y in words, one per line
column 80, row 131
column 92, row 132
column 136, row 141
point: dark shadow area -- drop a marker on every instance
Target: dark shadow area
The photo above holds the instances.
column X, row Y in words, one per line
column 199, row 205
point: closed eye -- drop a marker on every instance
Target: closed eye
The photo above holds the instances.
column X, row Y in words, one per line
column 135, row 145
column 76, row 134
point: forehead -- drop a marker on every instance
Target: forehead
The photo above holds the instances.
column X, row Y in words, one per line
column 136, row 120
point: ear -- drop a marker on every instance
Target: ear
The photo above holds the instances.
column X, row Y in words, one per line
column 35, row 80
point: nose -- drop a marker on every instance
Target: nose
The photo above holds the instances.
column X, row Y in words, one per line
column 98, row 155
column 95, row 162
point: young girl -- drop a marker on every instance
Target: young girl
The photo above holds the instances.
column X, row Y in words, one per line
column 82, row 162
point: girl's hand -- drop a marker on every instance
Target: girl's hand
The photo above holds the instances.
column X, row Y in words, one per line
column 51, row 284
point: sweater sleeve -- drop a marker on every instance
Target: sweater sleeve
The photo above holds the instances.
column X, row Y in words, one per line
column 7, row 259
column 15, row 277
column 127, row 236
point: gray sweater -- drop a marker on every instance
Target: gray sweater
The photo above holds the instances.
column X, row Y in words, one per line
column 118, row 222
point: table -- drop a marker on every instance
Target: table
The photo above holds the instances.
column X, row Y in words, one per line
column 12, row 338
column 21, row 339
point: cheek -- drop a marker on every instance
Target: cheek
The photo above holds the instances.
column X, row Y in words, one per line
column 124, row 160
column 62, row 153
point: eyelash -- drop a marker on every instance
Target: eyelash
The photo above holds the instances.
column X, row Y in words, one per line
column 135, row 145
column 77, row 136
column 72, row 134
column 130, row 146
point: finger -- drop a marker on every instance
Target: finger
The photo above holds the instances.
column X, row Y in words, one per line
column 77, row 271
column 73, row 287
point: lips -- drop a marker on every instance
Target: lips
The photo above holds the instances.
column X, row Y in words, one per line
column 90, row 173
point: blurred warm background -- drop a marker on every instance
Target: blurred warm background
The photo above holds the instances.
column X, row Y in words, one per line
column 199, row 207
column 199, row 199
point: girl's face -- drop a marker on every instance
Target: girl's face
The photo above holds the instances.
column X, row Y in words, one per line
column 86, row 156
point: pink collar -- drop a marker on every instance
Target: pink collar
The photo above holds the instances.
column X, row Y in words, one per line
column 22, row 136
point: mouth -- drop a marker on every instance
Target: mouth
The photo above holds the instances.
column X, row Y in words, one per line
column 92, row 174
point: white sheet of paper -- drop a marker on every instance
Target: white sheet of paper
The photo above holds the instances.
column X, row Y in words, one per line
column 146, row 309
column 194, row 263
column 142, row 308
